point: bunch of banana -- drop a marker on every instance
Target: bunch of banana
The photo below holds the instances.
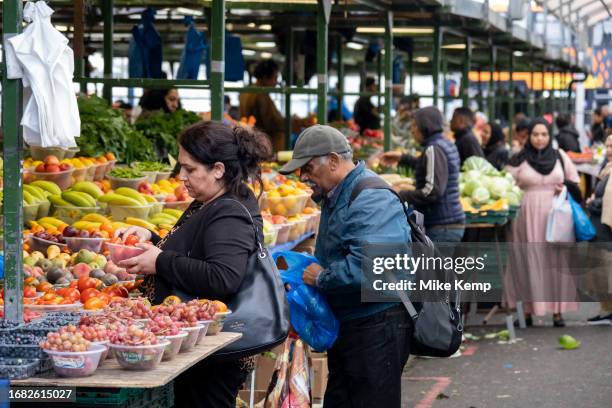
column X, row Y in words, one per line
column 94, row 217
column 72, row 198
column 128, row 197
column 34, row 195
column 166, row 219
column 89, row 188
column 48, row 186
column 48, row 223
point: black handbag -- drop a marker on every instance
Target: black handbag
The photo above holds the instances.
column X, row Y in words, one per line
column 259, row 309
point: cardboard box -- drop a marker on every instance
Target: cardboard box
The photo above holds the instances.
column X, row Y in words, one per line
column 245, row 396
column 319, row 377
column 265, row 368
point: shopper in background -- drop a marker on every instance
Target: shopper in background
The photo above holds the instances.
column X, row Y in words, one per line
column 401, row 135
column 155, row 100
column 568, row 137
column 259, row 105
column 600, row 211
column 538, row 171
column 461, row 125
column 368, row 357
column 494, row 145
column 520, row 135
column 437, row 177
column 205, row 255
column 365, row 113
column 598, row 131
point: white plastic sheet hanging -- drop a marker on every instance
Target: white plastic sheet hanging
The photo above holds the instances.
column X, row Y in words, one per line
column 41, row 57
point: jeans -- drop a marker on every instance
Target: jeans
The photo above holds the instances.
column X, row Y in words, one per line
column 443, row 233
column 367, row 360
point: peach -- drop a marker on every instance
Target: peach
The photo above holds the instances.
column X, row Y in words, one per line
column 52, row 168
column 81, row 270
column 51, row 159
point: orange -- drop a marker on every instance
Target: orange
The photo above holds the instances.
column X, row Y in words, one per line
column 220, row 306
column 171, row 300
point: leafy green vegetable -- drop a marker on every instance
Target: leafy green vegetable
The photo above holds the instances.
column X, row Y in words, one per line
column 104, row 129
column 151, row 166
column 481, row 164
column 162, row 129
column 126, row 172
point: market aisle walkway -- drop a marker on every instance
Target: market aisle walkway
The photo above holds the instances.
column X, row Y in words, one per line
column 533, row 372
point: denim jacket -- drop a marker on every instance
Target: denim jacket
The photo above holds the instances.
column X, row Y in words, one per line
column 375, row 216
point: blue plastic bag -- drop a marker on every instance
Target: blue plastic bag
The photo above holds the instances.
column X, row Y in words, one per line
column 584, row 229
column 195, row 45
column 311, row 316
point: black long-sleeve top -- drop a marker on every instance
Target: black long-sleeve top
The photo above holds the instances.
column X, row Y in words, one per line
column 430, row 188
column 206, row 256
column 467, row 145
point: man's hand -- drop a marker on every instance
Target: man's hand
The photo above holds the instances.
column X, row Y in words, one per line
column 390, row 158
column 311, row 273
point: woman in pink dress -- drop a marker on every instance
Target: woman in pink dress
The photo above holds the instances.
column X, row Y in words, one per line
column 537, row 270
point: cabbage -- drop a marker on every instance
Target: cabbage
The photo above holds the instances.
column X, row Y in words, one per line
column 480, row 195
column 472, row 175
column 513, row 198
column 499, row 187
column 481, row 164
column 470, row 186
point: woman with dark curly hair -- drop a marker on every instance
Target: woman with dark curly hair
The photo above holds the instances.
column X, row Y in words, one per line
column 205, row 255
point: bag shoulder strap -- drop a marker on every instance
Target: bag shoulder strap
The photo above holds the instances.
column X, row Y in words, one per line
column 255, row 228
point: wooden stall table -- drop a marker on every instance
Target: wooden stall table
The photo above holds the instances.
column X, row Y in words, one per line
column 113, row 386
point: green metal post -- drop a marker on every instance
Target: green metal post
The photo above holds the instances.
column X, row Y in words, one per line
column 378, row 79
column 13, row 194
column 490, row 90
column 465, row 78
column 78, row 45
column 531, row 104
column 107, row 14
column 323, row 14
column 511, row 93
column 437, row 50
column 340, row 83
column 410, row 70
column 288, row 83
column 388, row 78
column 444, row 73
column 217, row 63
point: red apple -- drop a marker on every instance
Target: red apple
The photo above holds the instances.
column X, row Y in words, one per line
column 40, row 168
column 65, row 166
column 52, row 168
column 170, row 198
column 51, row 159
column 81, row 270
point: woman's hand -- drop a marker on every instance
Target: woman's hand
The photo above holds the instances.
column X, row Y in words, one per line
column 590, row 199
column 143, row 264
column 390, row 158
column 143, row 234
column 559, row 188
column 311, row 273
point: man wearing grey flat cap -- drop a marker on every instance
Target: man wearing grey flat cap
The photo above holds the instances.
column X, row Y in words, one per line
column 368, row 357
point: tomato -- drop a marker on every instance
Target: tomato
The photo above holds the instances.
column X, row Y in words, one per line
column 86, row 283
column 74, row 283
column 129, row 286
column 94, row 303
column 29, row 292
column 131, row 240
column 71, row 293
column 45, row 287
column 31, row 281
column 104, row 297
column 89, row 293
column 49, row 296
column 116, row 290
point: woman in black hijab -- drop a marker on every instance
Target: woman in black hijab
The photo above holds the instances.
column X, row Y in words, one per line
column 534, row 270
column 494, row 145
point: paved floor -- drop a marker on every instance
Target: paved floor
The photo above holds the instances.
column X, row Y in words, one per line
column 533, row 372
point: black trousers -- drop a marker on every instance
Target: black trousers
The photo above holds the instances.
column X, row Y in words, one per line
column 209, row 384
column 367, row 360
